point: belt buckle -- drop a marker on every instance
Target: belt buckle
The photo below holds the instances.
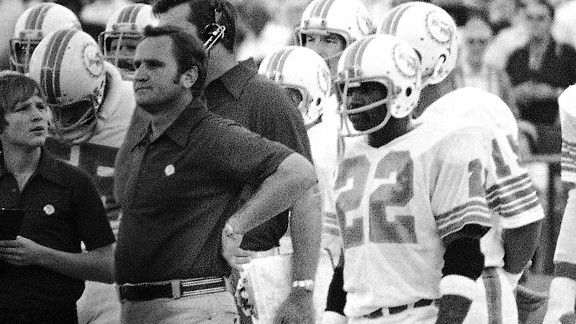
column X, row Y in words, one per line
column 176, row 289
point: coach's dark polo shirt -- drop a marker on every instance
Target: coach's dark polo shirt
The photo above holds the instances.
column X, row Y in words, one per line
column 260, row 105
column 63, row 208
column 177, row 192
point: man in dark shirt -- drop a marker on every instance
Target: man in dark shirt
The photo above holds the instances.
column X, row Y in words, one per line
column 42, row 271
column 179, row 177
column 235, row 90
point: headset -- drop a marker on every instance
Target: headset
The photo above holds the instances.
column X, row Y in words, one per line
column 214, row 32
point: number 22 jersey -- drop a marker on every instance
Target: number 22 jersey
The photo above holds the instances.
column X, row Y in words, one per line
column 398, row 205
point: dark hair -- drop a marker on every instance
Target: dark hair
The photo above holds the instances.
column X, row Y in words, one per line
column 203, row 13
column 15, row 88
column 187, row 49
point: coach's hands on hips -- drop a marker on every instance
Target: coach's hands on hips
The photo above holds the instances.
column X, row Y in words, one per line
column 298, row 308
column 231, row 250
column 21, row 251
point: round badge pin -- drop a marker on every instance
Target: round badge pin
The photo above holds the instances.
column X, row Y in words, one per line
column 49, row 209
column 169, row 170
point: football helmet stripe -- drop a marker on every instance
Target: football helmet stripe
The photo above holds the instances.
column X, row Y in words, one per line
column 326, row 9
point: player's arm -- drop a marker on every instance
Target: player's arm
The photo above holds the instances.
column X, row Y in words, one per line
column 463, row 264
column 462, row 217
column 336, row 299
column 519, row 246
column 563, row 287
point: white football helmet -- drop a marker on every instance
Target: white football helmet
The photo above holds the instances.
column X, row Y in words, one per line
column 431, row 31
column 347, row 18
column 69, row 67
column 300, row 68
column 384, row 59
column 123, row 33
column 35, row 23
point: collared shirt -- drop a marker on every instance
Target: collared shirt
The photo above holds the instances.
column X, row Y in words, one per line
column 556, row 70
column 63, row 209
column 177, row 192
column 260, row 105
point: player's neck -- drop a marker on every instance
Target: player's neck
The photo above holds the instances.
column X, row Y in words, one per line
column 395, row 129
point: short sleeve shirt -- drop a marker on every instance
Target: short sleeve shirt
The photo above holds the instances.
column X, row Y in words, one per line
column 260, row 105
column 178, row 195
column 63, row 210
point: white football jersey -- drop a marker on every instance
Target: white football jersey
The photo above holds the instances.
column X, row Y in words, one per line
column 566, row 245
column 97, row 155
column 513, row 196
column 397, row 203
column 323, row 144
column 567, row 105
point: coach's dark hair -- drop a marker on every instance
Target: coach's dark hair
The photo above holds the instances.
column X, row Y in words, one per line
column 202, row 15
column 187, row 49
column 15, row 88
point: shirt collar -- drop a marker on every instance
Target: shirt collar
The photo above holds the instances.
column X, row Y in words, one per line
column 179, row 131
column 46, row 167
column 236, row 78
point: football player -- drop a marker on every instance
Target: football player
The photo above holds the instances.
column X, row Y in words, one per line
column 92, row 108
column 306, row 77
column 432, row 33
column 32, row 25
column 123, row 33
column 329, row 26
column 563, row 286
column 509, row 245
column 409, row 198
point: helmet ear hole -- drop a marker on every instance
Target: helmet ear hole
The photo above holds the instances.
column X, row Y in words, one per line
column 318, row 101
column 408, row 91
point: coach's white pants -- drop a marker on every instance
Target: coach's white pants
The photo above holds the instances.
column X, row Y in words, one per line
column 271, row 281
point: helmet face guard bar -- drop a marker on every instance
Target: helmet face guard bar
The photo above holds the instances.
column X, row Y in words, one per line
column 346, row 128
column 20, row 52
column 215, row 33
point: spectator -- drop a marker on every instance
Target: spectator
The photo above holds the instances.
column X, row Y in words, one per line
column 539, row 71
column 473, row 71
column 43, row 271
column 509, row 37
column 179, row 176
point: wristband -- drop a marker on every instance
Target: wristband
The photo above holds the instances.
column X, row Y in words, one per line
column 458, row 285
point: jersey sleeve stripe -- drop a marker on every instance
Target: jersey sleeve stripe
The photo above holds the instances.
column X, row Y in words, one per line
column 510, row 199
column 568, row 161
column 508, row 185
column 479, row 218
column 473, row 212
column 520, row 209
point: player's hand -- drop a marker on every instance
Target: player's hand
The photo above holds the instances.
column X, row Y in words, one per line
column 296, row 309
column 21, row 251
column 232, row 252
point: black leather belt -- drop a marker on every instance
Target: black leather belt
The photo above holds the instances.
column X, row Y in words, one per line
column 398, row 309
column 171, row 289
